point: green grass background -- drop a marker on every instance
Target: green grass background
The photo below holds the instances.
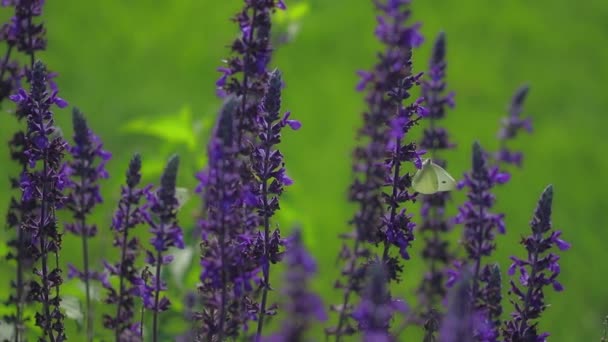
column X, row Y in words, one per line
column 125, row 60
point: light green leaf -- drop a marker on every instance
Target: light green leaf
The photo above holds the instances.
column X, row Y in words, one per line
column 177, row 128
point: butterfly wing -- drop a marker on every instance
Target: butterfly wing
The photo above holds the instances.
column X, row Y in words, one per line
column 425, row 180
column 445, row 182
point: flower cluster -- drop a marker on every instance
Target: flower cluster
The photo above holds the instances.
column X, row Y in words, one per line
column 161, row 216
column 375, row 312
column 85, row 170
column 128, row 215
column 43, row 182
column 245, row 74
column 301, row 305
column 22, row 34
column 377, row 162
column 435, row 139
column 540, row 269
column 227, row 272
column 268, row 169
column 511, row 126
column 480, row 224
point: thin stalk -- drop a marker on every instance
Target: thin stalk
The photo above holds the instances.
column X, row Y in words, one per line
column 342, row 317
column 395, row 185
column 156, row 297
column 85, row 254
column 44, row 256
column 7, row 56
column 534, row 259
column 121, row 288
column 266, row 270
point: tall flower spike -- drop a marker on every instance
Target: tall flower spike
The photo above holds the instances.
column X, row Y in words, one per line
column 375, row 312
column 269, row 169
column 434, row 223
column 386, row 122
column 511, row 126
column 128, row 216
column 539, row 270
column 480, row 225
column 227, row 271
column 166, row 233
column 457, row 325
column 245, row 74
column 301, row 306
column 20, row 33
column 43, row 182
column 85, row 170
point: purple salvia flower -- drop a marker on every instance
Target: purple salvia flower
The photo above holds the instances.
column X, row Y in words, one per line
column 128, row 215
column 269, row 169
column 480, row 224
column 301, row 305
column 85, row 170
column 457, row 325
column 43, row 181
column 227, row 276
column 386, row 122
column 539, row 270
column 511, row 126
column 375, row 312
column 490, row 294
column 245, row 74
column 435, row 139
column 166, row 233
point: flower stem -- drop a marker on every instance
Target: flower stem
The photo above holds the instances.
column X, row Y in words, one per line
column 156, row 297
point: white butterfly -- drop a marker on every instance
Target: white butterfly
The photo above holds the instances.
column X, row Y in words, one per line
column 432, row 178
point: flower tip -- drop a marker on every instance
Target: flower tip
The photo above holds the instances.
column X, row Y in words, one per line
column 61, row 103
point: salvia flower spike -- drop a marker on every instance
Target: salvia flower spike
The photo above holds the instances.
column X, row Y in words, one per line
column 227, row 272
column 301, row 306
column 386, row 122
column 435, row 140
column 539, row 270
column 161, row 216
column 269, row 169
column 128, row 215
column 85, row 170
column 511, row 126
column 43, row 182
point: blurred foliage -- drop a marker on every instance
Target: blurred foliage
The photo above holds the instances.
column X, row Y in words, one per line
column 144, row 72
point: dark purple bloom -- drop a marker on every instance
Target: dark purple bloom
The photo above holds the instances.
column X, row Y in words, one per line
column 301, row 306
column 435, row 139
column 377, row 162
column 480, row 228
column 43, row 181
column 227, row 272
column 480, row 224
column 128, row 215
column 85, row 170
column 166, row 233
column 511, row 126
column 539, row 270
column 245, row 74
column 457, row 325
column 268, row 167
column 375, row 312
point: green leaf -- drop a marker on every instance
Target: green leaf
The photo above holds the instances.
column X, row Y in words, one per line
column 177, row 128
column 293, row 13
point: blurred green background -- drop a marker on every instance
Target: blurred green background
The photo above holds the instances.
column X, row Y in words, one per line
column 144, row 72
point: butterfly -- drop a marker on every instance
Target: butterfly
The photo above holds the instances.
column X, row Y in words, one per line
column 432, row 178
